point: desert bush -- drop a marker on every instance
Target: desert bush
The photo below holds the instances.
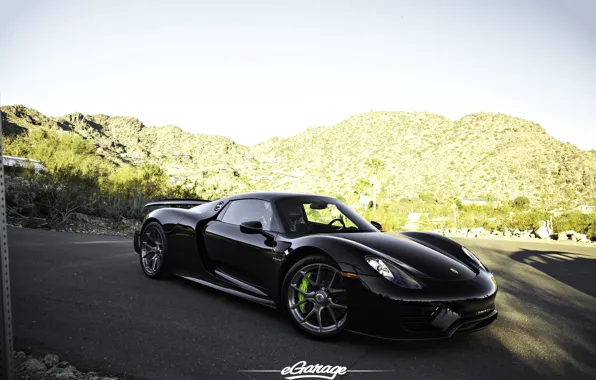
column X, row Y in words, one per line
column 128, row 180
column 20, row 196
column 119, row 206
column 576, row 221
column 527, row 220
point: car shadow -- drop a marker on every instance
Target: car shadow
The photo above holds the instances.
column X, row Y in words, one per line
column 571, row 268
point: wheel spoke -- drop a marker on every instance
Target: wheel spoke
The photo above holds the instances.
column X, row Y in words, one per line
column 318, row 282
column 335, row 291
column 150, row 262
column 155, row 261
column 302, row 302
column 311, row 282
column 146, row 254
column 336, row 305
column 149, row 251
column 330, row 310
column 320, row 319
column 301, row 291
column 331, row 282
column 308, row 316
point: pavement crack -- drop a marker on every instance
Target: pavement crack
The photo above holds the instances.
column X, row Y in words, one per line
column 368, row 350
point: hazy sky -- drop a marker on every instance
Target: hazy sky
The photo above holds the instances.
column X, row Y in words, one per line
column 251, row 70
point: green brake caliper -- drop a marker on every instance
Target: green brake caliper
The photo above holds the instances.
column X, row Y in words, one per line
column 304, row 285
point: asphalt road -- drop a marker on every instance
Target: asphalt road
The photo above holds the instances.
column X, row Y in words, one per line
column 85, row 298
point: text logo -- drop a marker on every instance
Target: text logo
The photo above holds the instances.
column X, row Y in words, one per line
column 303, row 370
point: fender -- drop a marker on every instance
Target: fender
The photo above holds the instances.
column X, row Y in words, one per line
column 348, row 255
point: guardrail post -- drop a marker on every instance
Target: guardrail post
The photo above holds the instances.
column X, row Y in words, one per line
column 6, row 351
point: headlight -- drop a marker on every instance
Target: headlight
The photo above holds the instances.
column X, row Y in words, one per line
column 474, row 258
column 392, row 273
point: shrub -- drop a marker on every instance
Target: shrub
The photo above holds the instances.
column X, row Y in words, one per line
column 521, row 203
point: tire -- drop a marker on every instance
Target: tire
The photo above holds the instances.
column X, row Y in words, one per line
column 314, row 307
column 154, row 251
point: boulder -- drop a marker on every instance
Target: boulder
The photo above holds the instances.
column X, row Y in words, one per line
column 497, row 233
column 51, row 360
column 507, row 233
column 562, row 236
column 34, row 365
column 517, row 232
column 532, row 235
column 579, row 238
column 543, row 232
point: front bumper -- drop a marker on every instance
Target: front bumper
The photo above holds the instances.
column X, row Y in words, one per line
column 380, row 308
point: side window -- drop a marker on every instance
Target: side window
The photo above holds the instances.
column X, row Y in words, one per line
column 247, row 210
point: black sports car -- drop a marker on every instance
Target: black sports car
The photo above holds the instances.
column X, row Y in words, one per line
column 317, row 260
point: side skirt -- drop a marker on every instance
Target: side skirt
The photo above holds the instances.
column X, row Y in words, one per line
column 259, row 300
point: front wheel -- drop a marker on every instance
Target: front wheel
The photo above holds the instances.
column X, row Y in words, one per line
column 314, row 295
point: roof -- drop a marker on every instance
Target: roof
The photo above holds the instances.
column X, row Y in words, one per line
column 273, row 196
column 22, row 162
column 20, row 159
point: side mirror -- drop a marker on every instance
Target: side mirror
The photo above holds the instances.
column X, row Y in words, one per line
column 252, row 227
column 377, row 225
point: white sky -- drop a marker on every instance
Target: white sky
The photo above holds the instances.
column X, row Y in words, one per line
column 251, row 70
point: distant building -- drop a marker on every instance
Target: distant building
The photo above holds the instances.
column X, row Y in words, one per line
column 22, row 162
column 586, row 208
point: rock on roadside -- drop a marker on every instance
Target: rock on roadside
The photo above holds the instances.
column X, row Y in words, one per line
column 50, row 368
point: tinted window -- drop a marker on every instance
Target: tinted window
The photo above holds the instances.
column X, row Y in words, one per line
column 247, row 210
column 316, row 214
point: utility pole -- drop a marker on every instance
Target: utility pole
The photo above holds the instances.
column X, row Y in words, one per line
column 6, row 353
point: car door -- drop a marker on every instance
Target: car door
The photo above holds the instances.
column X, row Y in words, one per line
column 245, row 257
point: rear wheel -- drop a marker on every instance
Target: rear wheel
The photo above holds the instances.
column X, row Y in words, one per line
column 154, row 251
column 315, row 298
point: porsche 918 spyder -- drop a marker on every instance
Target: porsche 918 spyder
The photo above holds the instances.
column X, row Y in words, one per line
column 315, row 259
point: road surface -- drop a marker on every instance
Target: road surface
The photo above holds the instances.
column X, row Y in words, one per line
column 85, row 298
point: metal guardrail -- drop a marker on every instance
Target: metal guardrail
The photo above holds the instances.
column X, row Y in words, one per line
column 6, row 349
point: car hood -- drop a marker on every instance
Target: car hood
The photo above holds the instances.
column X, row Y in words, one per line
column 430, row 262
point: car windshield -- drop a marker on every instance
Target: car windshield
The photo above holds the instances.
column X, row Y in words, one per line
column 320, row 215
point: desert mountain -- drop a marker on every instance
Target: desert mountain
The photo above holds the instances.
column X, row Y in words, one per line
column 480, row 155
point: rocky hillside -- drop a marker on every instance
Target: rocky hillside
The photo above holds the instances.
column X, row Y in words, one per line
column 480, row 155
